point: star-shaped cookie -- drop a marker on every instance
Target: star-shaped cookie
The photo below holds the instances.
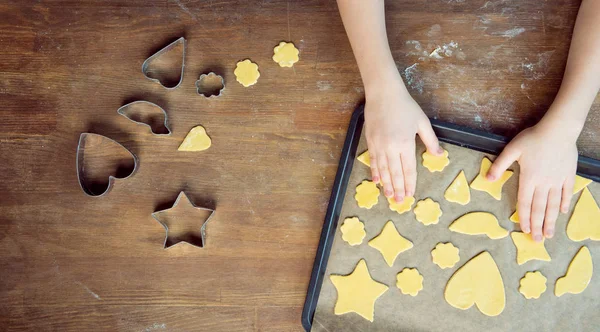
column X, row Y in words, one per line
column 390, row 243
column 357, row 292
column 176, row 221
column 528, row 249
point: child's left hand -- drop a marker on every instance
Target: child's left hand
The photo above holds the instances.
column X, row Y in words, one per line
column 547, row 156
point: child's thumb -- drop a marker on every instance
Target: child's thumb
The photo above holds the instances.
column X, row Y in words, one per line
column 429, row 138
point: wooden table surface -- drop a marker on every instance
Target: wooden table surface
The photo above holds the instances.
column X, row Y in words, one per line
column 71, row 262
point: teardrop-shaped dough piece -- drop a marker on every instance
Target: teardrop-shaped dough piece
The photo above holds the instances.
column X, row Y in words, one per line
column 476, row 223
column 578, row 274
column 458, row 191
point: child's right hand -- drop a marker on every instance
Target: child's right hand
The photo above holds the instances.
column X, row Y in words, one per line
column 392, row 119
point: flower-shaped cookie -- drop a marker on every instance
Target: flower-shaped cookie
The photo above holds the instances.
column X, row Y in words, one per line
column 353, row 231
column 435, row 163
column 533, row 284
column 428, row 211
column 406, row 204
column 246, row 72
column 367, row 194
column 445, row 255
column 285, row 54
column 410, row 281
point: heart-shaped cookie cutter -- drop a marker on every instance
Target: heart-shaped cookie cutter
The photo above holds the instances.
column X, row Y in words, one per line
column 164, row 50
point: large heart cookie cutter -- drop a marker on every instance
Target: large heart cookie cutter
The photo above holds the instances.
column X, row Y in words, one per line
column 156, row 55
column 83, row 138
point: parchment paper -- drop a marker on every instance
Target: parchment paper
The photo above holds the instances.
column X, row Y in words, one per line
column 428, row 311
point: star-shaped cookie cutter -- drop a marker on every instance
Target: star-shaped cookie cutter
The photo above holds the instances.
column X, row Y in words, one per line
column 166, row 245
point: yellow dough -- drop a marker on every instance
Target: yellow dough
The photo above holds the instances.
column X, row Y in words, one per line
column 578, row 274
column 390, row 243
column 246, row 73
column 353, row 231
column 515, row 217
column 532, row 285
column 528, row 249
column 365, row 158
column 428, row 211
column 196, row 140
column 458, row 191
column 367, row 194
column 580, row 183
column 402, row 207
column 585, row 220
column 477, row 282
column 445, row 255
column 476, row 223
column 493, row 188
column 357, row 292
column 285, row 54
column 410, row 281
column 435, row 163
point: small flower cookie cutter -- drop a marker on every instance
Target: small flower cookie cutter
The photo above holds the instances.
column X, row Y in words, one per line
column 80, row 165
column 198, row 244
column 164, row 50
column 123, row 111
column 209, row 94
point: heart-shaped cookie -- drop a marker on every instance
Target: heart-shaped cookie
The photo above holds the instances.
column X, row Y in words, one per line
column 477, row 282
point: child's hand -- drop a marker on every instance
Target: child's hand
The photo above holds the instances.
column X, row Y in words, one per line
column 547, row 156
column 392, row 120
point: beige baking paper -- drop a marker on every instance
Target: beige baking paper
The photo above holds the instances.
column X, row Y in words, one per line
column 429, row 311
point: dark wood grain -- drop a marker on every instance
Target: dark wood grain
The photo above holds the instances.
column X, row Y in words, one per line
column 73, row 263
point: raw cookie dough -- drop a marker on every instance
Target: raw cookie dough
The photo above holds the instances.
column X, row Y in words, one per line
column 353, row 231
column 365, row 158
column 428, row 211
column 390, row 243
column 580, row 183
column 585, row 221
column 435, row 163
column 493, row 188
column 246, row 73
column 285, row 54
column 477, row 282
column 445, row 255
column 401, row 207
column 196, row 140
column 578, row 274
column 528, row 249
column 367, row 194
column 410, row 281
column 476, row 223
column 357, row 292
column 532, row 285
column 458, row 191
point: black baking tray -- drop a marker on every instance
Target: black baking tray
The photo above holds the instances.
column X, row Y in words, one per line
column 446, row 132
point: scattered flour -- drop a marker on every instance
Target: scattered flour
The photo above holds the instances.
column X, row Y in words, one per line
column 534, row 70
column 324, row 85
column 510, row 33
column 417, row 49
column 445, row 50
column 413, row 78
column 434, row 30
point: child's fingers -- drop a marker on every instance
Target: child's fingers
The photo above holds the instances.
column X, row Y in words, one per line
column 524, row 198
column 384, row 173
column 538, row 210
column 427, row 135
column 374, row 170
column 502, row 163
column 396, row 173
column 409, row 168
column 567, row 194
column 552, row 211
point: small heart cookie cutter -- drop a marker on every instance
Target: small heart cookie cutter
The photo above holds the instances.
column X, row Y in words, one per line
column 164, row 50
column 122, row 111
column 80, row 167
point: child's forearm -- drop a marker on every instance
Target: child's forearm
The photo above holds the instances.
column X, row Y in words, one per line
column 364, row 22
column 581, row 81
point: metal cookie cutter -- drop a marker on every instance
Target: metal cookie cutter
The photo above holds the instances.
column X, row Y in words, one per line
column 148, row 121
column 194, row 241
column 95, row 139
column 207, row 91
column 164, row 50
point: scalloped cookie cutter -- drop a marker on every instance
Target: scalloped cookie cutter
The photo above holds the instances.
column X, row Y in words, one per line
column 202, row 241
column 210, row 75
column 122, row 111
column 80, row 165
column 164, row 50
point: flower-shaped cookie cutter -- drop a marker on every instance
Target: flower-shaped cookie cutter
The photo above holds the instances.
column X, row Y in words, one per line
column 164, row 50
column 209, row 92
column 81, row 167
column 123, row 111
